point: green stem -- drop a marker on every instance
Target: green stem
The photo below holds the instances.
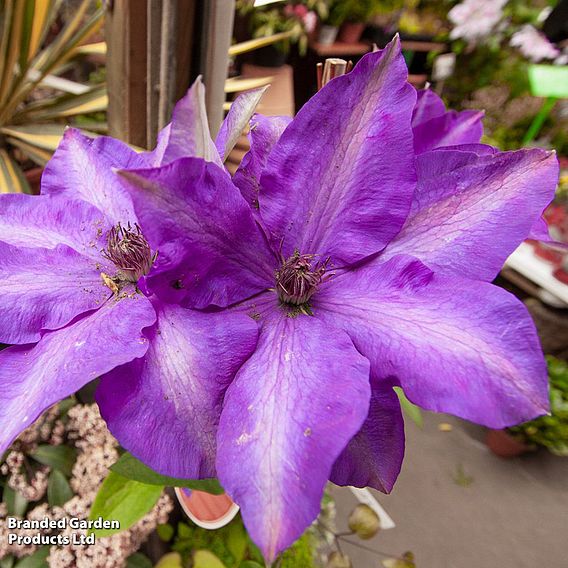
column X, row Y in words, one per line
column 538, row 120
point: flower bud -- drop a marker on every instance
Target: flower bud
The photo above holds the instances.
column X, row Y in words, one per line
column 338, row 560
column 364, row 522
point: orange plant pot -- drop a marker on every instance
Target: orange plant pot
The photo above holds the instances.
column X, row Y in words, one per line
column 206, row 510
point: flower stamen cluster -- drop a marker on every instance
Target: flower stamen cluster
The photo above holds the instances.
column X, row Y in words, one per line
column 129, row 251
column 298, row 278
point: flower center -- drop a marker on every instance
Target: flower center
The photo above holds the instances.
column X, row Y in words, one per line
column 129, row 251
column 298, row 278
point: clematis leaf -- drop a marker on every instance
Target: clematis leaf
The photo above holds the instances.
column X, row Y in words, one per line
column 128, row 466
column 123, row 500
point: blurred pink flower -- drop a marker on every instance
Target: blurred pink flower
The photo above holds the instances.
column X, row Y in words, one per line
column 310, row 21
column 533, row 44
column 475, row 19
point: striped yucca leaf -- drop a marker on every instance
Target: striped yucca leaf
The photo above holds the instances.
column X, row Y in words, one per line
column 26, row 61
column 94, row 100
column 12, row 179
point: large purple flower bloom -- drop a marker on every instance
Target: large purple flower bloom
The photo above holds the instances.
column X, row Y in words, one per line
column 75, row 302
column 365, row 267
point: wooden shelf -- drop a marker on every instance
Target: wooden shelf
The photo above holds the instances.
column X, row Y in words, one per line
column 339, row 49
column 424, row 46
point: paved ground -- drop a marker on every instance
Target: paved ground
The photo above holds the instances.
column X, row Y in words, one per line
column 456, row 505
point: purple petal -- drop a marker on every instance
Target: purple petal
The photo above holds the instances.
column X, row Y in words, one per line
column 451, row 129
column 471, row 212
column 45, row 289
column 211, row 249
column 539, row 231
column 237, row 118
column 265, row 131
column 428, row 105
column 373, row 458
column 81, row 168
column 165, row 408
column 289, row 413
column 456, row 345
column 188, row 134
column 47, row 221
column 340, row 180
column 33, row 377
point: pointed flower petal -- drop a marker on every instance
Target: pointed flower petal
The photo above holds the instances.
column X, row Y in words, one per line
column 188, row 134
column 81, row 168
column 450, row 129
column 471, row 212
column 211, row 249
column 456, row 345
column 237, row 118
column 340, row 180
column 428, row 105
column 33, row 377
column 279, row 436
column 265, row 131
column 165, row 408
column 45, row 289
column 373, row 457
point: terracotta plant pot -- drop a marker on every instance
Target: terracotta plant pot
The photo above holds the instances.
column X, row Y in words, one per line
column 327, row 35
column 206, row 510
column 351, row 32
column 502, row 444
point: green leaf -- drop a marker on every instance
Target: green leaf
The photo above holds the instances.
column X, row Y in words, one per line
column 128, row 466
column 15, row 503
column 250, row 564
column 165, row 532
column 138, row 560
column 58, row 489
column 237, row 541
column 170, row 560
column 411, row 410
column 37, row 560
column 61, row 458
column 206, row 559
column 184, row 531
column 123, row 500
column 7, row 562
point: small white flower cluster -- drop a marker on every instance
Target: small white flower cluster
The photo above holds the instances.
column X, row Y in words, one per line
column 97, row 451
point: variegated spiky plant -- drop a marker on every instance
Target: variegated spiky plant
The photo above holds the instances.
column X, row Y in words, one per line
column 29, row 61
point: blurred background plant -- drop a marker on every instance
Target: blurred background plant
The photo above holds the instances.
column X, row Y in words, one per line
column 550, row 432
column 40, row 44
column 297, row 19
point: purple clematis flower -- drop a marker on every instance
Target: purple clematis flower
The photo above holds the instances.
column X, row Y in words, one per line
column 74, row 265
column 365, row 267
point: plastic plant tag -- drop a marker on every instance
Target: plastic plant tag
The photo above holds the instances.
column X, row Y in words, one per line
column 206, row 510
column 549, row 81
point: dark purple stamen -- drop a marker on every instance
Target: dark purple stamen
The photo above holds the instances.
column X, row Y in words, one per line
column 298, row 278
column 130, row 252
